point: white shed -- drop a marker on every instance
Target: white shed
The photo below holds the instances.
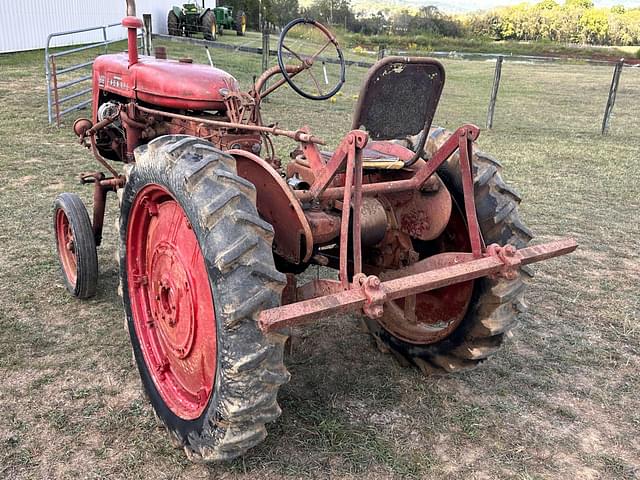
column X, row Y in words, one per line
column 25, row 24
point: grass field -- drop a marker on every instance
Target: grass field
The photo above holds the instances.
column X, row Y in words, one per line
column 559, row 401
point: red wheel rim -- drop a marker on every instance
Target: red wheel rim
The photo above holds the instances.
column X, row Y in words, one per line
column 437, row 312
column 66, row 246
column 171, row 302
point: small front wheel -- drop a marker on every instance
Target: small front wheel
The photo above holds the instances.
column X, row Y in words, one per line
column 76, row 245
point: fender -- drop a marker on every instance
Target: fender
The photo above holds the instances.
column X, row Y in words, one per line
column 179, row 13
column 203, row 13
column 277, row 205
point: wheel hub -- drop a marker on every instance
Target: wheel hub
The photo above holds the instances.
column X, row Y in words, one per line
column 171, row 302
column 172, row 305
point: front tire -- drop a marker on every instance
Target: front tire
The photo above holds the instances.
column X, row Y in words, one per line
column 75, row 245
column 496, row 302
column 196, row 263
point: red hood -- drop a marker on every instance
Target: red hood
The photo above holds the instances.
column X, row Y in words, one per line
column 165, row 83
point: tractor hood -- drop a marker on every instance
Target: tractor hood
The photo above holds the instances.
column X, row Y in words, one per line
column 165, row 83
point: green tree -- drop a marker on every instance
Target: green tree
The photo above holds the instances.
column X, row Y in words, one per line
column 282, row 12
column 579, row 3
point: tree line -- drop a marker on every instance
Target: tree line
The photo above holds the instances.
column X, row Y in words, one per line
column 574, row 21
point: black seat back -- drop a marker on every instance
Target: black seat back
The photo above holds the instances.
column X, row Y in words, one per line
column 399, row 97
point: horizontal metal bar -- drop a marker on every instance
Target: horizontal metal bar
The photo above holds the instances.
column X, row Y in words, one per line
column 74, row 68
column 74, row 82
column 74, row 95
column 79, row 106
column 116, row 40
column 76, row 50
column 80, row 30
column 353, row 299
column 297, row 135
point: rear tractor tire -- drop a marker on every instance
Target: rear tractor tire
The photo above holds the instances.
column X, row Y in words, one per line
column 241, row 24
column 75, row 245
column 209, row 26
column 173, row 25
column 196, row 267
column 495, row 303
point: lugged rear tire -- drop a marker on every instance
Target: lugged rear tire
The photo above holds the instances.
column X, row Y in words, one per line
column 496, row 302
column 209, row 27
column 236, row 245
column 241, row 24
column 173, row 24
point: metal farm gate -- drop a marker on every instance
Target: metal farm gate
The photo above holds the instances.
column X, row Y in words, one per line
column 76, row 77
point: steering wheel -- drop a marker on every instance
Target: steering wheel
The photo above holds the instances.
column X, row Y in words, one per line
column 306, row 61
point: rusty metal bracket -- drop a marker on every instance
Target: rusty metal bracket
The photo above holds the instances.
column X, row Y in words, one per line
column 375, row 295
column 101, row 186
column 465, row 146
column 356, row 139
column 325, row 192
column 510, row 258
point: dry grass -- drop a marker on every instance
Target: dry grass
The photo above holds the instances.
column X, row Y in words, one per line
column 559, row 401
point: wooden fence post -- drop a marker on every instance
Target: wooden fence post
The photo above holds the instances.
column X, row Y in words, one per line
column 381, row 52
column 494, row 91
column 613, row 90
column 146, row 19
column 265, row 48
column 265, row 51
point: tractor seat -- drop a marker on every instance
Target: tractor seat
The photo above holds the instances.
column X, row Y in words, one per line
column 373, row 159
column 398, row 99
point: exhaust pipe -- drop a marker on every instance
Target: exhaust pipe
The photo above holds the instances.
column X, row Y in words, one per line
column 131, row 8
column 132, row 24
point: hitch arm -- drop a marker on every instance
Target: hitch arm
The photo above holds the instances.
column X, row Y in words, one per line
column 358, row 298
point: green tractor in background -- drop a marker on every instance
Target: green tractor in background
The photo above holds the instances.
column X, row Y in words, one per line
column 191, row 18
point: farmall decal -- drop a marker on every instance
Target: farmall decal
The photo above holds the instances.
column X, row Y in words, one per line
column 117, row 82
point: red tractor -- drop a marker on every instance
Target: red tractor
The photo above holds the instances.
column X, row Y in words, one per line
column 421, row 229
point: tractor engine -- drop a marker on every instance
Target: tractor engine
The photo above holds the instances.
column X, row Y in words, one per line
column 180, row 87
